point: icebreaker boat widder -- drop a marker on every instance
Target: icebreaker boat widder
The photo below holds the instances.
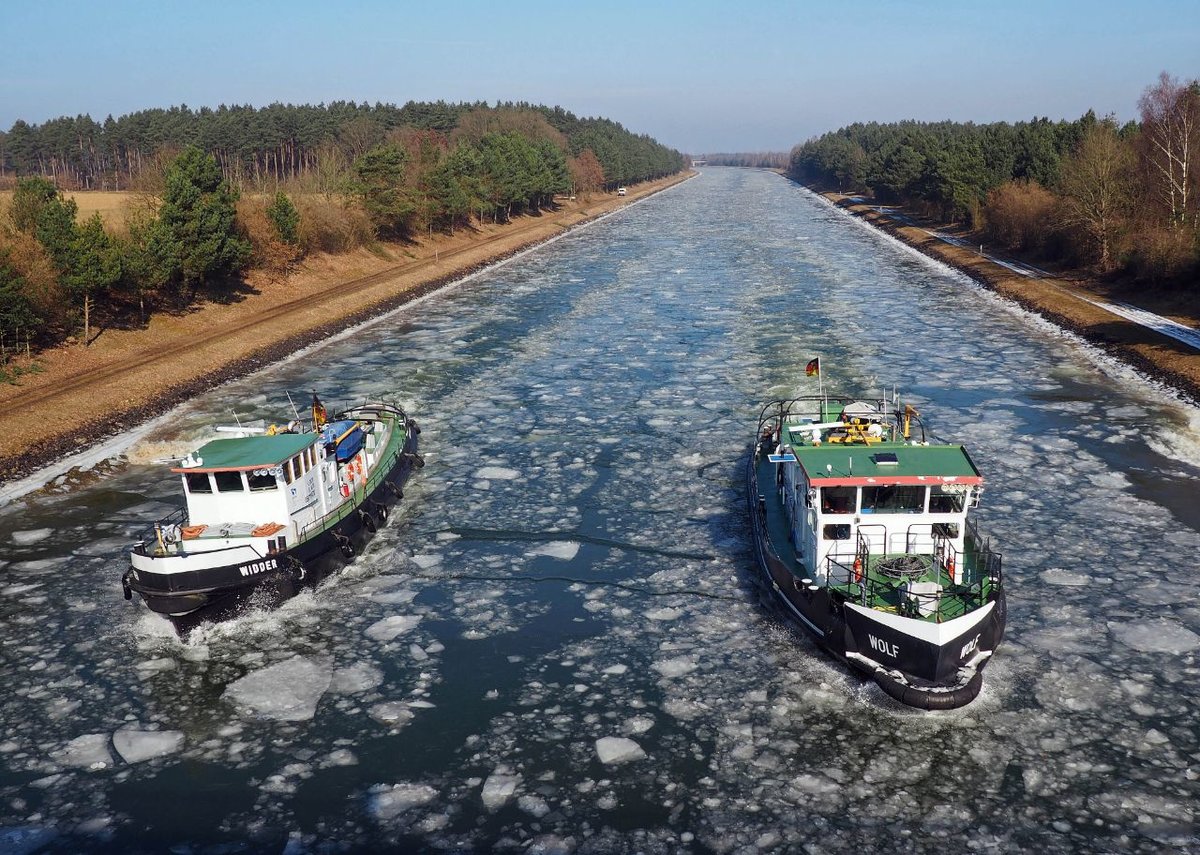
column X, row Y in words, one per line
column 271, row 510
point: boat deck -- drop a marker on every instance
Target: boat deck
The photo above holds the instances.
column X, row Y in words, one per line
column 879, row 589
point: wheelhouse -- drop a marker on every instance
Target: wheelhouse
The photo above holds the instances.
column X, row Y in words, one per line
column 870, row 507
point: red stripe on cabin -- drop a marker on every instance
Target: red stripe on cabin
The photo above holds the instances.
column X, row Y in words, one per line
column 900, row 480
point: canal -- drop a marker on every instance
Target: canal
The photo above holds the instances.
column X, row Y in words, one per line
column 569, row 581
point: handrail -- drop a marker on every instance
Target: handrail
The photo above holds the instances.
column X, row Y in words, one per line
column 140, row 549
column 812, row 407
column 344, row 509
column 178, row 517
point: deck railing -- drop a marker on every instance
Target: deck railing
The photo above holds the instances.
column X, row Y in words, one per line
column 911, row 592
column 350, row 506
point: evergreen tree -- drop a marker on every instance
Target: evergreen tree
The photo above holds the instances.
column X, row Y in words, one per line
column 39, row 209
column 286, row 219
column 198, row 212
column 379, row 184
column 95, row 267
column 16, row 311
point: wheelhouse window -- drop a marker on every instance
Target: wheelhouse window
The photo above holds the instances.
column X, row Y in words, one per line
column 839, row 500
column 228, row 482
column 943, row 500
column 287, row 471
column 893, row 499
column 261, row 480
column 197, row 482
column 838, row 531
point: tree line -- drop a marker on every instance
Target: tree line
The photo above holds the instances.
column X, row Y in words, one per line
column 203, row 220
column 261, row 148
column 1119, row 198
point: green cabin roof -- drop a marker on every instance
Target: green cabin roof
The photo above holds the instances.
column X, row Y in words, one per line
column 836, row 464
column 249, row 452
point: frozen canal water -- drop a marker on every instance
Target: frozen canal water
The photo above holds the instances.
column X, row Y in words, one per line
column 560, row 644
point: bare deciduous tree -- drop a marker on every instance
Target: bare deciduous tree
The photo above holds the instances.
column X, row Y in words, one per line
column 1095, row 183
column 1171, row 134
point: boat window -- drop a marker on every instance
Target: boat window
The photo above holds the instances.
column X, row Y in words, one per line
column 893, row 499
column 287, row 471
column 197, row 482
column 301, row 463
column 838, row 531
column 311, row 451
column 228, row 482
column 839, row 500
column 949, row 530
column 943, row 501
column 260, row 480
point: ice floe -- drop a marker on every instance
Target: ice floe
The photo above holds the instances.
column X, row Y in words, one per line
column 1156, row 636
column 389, row 802
column 614, row 750
column 285, row 691
column 386, row 629
column 499, row 788
column 564, row 550
column 135, row 746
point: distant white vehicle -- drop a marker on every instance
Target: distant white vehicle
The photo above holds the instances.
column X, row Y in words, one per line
column 620, row 191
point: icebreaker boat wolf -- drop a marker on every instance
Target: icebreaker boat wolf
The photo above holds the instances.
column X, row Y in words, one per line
column 863, row 531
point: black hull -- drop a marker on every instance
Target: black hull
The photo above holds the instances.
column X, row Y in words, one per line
column 219, row 593
column 915, row 673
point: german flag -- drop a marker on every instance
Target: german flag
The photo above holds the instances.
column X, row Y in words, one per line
column 318, row 413
column 813, row 367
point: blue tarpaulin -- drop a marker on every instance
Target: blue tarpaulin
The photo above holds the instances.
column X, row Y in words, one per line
column 351, row 434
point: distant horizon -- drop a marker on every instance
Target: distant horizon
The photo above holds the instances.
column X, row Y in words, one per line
column 696, row 76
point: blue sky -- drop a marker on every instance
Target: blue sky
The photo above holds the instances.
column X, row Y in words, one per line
column 699, row 76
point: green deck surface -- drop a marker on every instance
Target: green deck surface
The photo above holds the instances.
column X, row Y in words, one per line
column 855, row 460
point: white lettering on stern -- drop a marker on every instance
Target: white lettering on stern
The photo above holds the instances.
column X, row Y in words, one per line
column 256, row 567
column 969, row 647
column 887, row 648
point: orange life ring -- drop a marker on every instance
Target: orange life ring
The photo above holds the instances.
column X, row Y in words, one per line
column 858, row 573
column 191, row 532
